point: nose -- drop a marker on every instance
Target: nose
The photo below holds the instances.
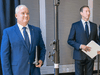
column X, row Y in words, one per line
column 88, row 13
column 25, row 15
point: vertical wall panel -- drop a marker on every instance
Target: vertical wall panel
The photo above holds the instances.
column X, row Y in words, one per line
column 96, row 14
column 49, row 27
column 68, row 13
column 96, row 11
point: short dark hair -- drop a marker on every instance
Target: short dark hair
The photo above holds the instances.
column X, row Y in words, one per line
column 81, row 9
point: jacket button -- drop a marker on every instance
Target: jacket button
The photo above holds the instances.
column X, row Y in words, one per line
column 28, row 62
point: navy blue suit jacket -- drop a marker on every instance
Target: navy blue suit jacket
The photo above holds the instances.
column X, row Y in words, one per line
column 16, row 58
column 77, row 37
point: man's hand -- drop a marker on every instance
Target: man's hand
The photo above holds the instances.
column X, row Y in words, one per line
column 40, row 63
column 98, row 52
column 86, row 48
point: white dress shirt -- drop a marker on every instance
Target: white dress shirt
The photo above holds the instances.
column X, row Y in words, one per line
column 27, row 30
column 88, row 23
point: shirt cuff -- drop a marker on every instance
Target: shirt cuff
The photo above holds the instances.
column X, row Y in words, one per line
column 80, row 47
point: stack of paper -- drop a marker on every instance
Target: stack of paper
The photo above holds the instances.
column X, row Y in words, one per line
column 94, row 48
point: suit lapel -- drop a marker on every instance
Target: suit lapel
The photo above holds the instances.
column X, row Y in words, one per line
column 20, row 35
column 90, row 30
column 83, row 31
column 82, row 28
column 32, row 37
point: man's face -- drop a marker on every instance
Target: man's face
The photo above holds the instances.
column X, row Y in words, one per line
column 23, row 15
column 85, row 14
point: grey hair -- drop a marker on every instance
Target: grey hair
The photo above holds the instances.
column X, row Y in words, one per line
column 17, row 8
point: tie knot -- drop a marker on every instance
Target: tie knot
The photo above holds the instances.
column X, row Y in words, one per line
column 86, row 23
column 24, row 28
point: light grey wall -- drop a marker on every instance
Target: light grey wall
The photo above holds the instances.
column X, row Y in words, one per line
column 96, row 12
column 49, row 27
column 33, row 6
column 68, row 13
column 96, row 15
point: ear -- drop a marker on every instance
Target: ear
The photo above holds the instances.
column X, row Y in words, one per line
column 81, row 13
column 16, row 15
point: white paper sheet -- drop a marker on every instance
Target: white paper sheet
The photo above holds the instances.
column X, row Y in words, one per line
column 94, row 48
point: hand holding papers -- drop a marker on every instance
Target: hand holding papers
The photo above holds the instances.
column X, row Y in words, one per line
column 94, row 48
column 86, row 48
column 98, row 52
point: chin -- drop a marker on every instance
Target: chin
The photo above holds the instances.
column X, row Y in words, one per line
column 26, row 21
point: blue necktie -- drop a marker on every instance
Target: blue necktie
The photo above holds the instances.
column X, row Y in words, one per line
column 99, row 32
column 86, row 30
column 26, row 37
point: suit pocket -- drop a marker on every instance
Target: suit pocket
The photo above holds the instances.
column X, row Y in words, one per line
column 14, row 63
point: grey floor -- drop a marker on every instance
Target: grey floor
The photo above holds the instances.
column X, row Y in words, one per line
column 95, row 73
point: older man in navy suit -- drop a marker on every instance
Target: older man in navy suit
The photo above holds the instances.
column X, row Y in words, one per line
column 81, row 33
column 18, row 46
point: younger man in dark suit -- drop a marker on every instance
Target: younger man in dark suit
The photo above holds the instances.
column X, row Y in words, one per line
column 81, row 33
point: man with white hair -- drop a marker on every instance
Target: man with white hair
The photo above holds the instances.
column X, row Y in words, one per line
column 18, row 46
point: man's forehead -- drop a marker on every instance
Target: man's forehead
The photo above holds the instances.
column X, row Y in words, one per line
column 21, row 7
column 85, row 8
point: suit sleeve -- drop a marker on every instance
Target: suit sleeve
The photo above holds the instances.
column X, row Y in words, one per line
column 71, row 39
column 41, row 47
column 5, row 54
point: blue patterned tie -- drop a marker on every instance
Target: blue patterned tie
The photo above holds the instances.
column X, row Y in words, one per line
column 26, row 37
column 87, row 30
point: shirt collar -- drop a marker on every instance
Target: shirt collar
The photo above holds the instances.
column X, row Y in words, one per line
column 20, row 26
column 84, row 21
